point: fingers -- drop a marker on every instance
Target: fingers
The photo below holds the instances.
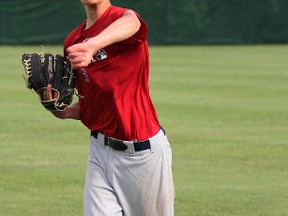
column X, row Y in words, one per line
column 55, row 94
column 79, row 55
column 78, row 62
column 47, row 94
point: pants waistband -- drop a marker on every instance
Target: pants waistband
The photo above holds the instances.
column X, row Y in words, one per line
column 152, row 143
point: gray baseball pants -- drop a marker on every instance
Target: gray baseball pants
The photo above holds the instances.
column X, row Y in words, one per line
column 128, row 182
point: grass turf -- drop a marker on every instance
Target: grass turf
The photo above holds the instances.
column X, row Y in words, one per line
column 224, row 108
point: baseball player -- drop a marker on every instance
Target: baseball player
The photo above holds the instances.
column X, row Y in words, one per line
column 129, row 159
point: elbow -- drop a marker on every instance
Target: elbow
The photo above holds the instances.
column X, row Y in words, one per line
column 136, row 24
column 134, row 21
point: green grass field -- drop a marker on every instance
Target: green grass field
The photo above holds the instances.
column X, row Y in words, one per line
column 225, row 110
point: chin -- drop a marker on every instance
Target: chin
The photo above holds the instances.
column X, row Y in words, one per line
column 91, row 2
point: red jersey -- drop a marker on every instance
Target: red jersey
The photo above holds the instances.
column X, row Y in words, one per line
column 114, row 94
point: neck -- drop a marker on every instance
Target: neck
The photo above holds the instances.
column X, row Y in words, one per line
column 93, row 12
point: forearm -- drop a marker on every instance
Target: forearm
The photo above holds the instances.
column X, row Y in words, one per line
column 72, row 112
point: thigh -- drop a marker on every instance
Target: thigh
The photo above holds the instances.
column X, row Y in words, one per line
column 99, row 196
column 144, row 183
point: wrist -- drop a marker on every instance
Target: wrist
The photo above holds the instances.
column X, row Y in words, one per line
column 92, row 45
column 59, row 114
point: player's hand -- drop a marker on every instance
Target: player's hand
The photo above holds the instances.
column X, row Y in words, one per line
column 47, row 93
column 80, row 55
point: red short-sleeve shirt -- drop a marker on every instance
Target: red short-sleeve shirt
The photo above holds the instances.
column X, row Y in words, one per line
column 114, row 94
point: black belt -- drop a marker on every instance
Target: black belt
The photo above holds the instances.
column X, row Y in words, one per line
column 121, row 146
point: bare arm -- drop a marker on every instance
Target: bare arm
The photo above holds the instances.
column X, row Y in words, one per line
column 80, row 55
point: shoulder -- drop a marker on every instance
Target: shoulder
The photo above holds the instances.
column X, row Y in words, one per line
column 69, row 40
column 117, row 11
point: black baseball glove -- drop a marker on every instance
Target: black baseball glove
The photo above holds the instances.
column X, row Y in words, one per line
column 41, row 70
